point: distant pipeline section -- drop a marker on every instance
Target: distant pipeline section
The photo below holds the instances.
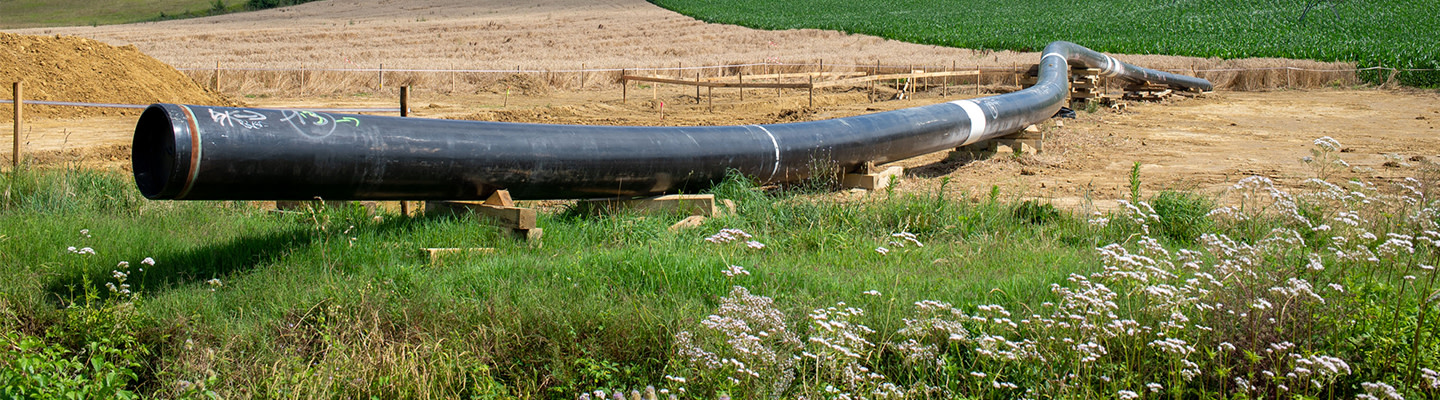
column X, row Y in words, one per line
column 187, row 152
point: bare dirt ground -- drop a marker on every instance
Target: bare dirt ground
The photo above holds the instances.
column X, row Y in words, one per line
column 1202, row 143
column 558, row 35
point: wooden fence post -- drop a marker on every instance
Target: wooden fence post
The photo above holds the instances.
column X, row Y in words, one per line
column 709, row 97
column 15, row 154
column 945, row 88
column 812, row 90
column 217, row 76
column 624, row 87
column 776, row 70
column 582, row 76
column 873, row 72
column 910, row 82
column 697, row 87
column 404, row 112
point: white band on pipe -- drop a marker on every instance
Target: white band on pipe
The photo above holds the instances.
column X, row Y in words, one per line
column 1062, row 56
column 977, row 119
column 777, row 151
column 1113, row 67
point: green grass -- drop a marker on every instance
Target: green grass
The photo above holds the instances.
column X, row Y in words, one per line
column 45, row 13
column 1371, row 33
column 609, row 290
column 245, row 302
column 42, row 13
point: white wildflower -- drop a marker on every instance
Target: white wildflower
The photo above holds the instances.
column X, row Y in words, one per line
column 734, row 271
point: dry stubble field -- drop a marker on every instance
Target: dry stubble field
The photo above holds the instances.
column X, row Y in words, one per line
column 1202, row 143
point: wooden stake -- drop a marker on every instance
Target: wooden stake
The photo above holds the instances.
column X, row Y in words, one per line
column 656, row 90
column 217, row 76
column 910, row 82
column 452, row 77
column 382, row 77
column 709, row 98
column 15, row 154
column 404, row 112
column 624, row 87
column 978, row 73
column 873, row 72
column 582, row 76
column 404, row 101
column 945, row 85
column 697, row 88
column 742, row 86
column 776, row 70
column 812, row 90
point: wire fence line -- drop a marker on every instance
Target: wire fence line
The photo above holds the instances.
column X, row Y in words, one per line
column 142, row 106
column 995, row 69
column 732, row 66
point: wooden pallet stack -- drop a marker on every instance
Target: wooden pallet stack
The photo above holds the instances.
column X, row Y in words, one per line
column 1085, row 87
column 1147, row 92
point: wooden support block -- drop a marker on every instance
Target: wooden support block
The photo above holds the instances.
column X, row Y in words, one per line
column 873, row 180
column 436, row 253
column 500, row 198
column 1023, row 146
column 512, row 217
column 686, row 204
column 529, row 235
column 687, row 223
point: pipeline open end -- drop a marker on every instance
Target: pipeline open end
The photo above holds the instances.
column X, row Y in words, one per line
column 160, row 151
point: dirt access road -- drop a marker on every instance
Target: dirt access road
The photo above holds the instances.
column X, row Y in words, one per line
column 1203, row 143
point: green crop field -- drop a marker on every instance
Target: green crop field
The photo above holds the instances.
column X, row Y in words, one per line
column 42, row 13
column 1389, row 33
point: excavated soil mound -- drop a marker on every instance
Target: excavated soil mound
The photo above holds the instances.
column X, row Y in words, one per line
column 67, row 68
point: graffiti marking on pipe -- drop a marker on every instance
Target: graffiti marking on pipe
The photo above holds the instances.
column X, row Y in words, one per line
column 243, row 118
column 314, row 124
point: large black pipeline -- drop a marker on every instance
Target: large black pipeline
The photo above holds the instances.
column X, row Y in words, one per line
column 187, row 152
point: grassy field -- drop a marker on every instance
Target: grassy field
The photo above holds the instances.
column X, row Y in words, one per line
column 43, row 13
column 40, row 13
column 903, row 295
column 1372, row 33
